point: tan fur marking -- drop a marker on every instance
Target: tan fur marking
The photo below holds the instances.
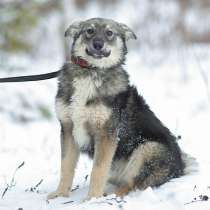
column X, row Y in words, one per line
column 151, row 152
column 123, row 190
column 68, row 164
column 123, row 172
column 104, row 151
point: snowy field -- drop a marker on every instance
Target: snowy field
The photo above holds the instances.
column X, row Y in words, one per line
column 176, row 88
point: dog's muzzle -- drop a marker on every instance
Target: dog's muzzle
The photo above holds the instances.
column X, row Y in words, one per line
column 97, row 49
column 98, row 54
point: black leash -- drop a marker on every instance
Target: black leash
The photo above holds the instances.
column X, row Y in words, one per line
column 75, row 60
column 31, row 77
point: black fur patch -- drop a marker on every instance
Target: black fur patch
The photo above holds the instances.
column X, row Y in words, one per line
column 137, row 124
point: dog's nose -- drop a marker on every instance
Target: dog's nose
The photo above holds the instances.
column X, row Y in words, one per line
column 98, row 44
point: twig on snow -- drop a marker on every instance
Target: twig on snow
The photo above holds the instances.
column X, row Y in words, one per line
column 201, row 198
column 75, row 188
column 34, row 189
column 86, row 177
column 67, row 202
column 12, row 182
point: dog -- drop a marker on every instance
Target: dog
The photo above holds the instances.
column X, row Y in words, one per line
column 102, row 115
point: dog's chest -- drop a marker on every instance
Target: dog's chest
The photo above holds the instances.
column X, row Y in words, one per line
column 96, row 115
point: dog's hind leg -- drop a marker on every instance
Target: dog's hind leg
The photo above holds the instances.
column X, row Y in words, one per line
column 69, row 158
column 123, row 190
column 147, row 166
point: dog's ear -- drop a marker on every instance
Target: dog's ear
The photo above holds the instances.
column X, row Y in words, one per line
column 74, row 29
column 127, row 32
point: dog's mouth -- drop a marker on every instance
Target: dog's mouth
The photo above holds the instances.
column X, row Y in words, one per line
column 98, row 53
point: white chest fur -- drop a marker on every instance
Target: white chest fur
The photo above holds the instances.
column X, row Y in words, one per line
column 85, row 89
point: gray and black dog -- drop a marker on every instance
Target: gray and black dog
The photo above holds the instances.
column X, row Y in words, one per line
column 102, row 115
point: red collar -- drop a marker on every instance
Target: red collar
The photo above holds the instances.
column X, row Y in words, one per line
column 80, row 61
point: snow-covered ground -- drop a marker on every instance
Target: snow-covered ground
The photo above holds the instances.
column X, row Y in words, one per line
column 173, row 83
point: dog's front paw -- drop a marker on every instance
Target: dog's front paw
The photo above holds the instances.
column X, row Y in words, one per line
column 57, row 193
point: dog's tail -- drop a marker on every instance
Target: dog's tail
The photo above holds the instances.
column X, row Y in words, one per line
column 191, row 165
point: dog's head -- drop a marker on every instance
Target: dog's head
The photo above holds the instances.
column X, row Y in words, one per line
column 101, row 42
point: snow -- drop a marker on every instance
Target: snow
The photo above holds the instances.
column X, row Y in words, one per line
column 180, row 101
column 173, row 85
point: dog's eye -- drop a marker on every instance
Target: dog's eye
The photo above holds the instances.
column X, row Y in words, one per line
column 109, row 33
column 90, row 31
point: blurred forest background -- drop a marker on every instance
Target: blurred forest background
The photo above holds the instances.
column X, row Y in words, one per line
column 27, row 25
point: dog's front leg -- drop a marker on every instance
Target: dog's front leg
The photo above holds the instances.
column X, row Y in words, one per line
column 104, row 151
column 69, row 158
